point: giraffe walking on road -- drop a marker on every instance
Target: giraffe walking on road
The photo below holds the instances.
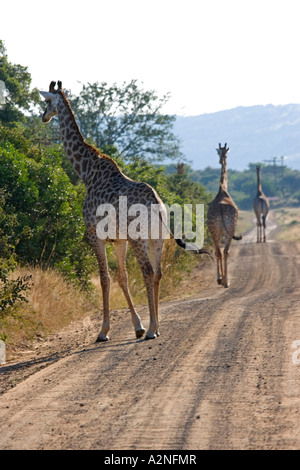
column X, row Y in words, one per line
column 106, row 185
column 222, row 218
column 261, row 209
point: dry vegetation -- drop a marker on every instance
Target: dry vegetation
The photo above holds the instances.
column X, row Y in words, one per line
column 289, row 221
column 54, row 302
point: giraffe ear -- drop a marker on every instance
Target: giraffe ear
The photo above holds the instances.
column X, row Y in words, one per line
column 47, row 95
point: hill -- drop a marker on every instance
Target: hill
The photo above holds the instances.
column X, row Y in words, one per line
column 254, row 134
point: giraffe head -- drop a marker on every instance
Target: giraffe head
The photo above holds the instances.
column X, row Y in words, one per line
column 222, row 151
column 51, row 99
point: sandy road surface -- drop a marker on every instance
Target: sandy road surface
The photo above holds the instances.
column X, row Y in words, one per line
column 223, row 374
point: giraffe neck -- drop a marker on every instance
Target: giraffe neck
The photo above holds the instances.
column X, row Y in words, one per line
column 80, row 154
column 223, row 179
column 259, row 190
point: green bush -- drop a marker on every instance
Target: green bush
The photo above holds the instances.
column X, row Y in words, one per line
column 40, row 214
column 12, row 290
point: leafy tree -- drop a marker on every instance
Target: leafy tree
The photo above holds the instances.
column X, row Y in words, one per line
column 128, row 118
column 43, row 209
column 17, row 81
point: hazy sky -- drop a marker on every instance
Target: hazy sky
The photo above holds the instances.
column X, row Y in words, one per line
column 209, row 54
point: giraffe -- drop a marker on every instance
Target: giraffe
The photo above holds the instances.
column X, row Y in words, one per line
column 222, row 218
column 261, row 209
column 105, row 185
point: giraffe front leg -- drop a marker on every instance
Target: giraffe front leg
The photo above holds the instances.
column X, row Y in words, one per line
column 219, row 275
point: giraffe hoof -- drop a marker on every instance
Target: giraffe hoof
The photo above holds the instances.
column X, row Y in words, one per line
column 140, row 333
column 227, row 284
column 150, row 336
column 219, row 281
column 101, row 338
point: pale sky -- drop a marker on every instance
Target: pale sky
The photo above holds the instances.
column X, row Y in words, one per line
column 210, row 55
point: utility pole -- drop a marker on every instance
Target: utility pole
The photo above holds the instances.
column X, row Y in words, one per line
column 274, row 160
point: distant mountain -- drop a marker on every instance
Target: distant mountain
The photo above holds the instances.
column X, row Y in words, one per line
column 254, row 134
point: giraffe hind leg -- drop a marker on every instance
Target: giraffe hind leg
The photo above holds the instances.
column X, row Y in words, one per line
column 225, row 281
column 218, row 254
column 259, row 229
column 264, row 228
column 140, row 249
column 120, row 250
column 155, row 254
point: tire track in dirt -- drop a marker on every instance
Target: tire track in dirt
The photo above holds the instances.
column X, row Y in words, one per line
column 250, row 357
column 219, row 377
column 219, row 359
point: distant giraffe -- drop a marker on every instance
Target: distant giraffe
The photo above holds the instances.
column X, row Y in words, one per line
column 222, row 218
column 261, row 209
column 106, row 184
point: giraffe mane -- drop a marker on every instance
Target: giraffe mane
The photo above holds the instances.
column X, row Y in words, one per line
column 90, row 147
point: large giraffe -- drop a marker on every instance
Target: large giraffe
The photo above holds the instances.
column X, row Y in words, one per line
column 261, row 209
column 106, row 186
column 222, row 218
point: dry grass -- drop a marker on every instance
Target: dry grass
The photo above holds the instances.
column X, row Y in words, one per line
column 289, row 221
column 52, row 303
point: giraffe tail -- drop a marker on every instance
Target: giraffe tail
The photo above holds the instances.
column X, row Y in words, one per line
column 237, row 237
column 187, row 246
column 192, row 247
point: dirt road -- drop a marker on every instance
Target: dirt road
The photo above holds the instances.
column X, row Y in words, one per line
column 224, row 374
